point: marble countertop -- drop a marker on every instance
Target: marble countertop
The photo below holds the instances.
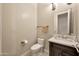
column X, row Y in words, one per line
column 66, row 42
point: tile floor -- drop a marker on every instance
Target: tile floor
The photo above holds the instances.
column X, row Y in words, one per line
column 41, row 54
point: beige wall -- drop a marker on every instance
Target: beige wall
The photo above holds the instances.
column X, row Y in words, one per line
column 77, row 19
column 8, row 41
column 26, row 23
column 0, row 28
column 45, row 19
column 19, row 23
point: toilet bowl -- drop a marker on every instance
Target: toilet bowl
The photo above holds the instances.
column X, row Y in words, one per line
column 38, row 47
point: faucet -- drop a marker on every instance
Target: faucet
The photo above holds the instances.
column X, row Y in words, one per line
column 76, row 38
column 64, row 36
column 76, row 43
column 76, row 46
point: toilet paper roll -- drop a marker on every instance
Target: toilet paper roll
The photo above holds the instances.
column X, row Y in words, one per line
column 24, row 42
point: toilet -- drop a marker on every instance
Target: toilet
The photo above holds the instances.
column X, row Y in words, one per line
column 38, row 47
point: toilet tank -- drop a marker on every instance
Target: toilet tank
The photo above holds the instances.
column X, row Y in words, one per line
column 41, row 41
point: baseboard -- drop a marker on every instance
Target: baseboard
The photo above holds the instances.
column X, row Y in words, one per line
column 27, row 53
column 47, row 51
column 5, row 54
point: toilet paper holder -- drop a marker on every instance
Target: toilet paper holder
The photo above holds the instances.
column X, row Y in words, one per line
column 24, row 42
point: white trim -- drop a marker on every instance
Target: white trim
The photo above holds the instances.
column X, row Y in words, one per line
column 0, row 28
column 62, row 12
column 69, row 20
column 47, row 51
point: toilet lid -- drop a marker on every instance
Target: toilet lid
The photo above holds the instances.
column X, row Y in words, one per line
column 36, row 46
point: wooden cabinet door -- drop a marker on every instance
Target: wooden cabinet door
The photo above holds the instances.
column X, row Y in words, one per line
column 54, row 50
column 61, row 50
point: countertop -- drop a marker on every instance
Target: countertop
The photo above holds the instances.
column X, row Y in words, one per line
column 67, row 42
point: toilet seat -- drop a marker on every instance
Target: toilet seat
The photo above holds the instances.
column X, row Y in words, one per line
column 36, row 46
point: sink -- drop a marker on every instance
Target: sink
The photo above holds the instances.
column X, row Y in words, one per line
column 65, row 41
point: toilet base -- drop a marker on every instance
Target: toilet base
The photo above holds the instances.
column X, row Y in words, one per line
column 38, row 52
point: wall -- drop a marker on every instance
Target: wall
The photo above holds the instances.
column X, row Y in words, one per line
column 77, row 21
column 19, row 23
column 26, row 23
column 45, row 18
column 8, row 41
column 0, row 28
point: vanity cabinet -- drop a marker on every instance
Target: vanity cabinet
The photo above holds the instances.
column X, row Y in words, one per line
column 56, row 49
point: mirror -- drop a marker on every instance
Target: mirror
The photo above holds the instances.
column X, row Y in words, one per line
column 63, row 22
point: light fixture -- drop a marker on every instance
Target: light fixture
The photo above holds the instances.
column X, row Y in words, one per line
column 69, row 3
column 53, row 6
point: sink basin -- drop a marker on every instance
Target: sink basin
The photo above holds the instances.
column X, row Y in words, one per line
column 65, row 39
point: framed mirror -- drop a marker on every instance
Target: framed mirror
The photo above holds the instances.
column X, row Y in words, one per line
column 63, row 22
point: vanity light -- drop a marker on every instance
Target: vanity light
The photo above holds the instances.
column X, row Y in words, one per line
column 69, row 3
column 54, row 5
